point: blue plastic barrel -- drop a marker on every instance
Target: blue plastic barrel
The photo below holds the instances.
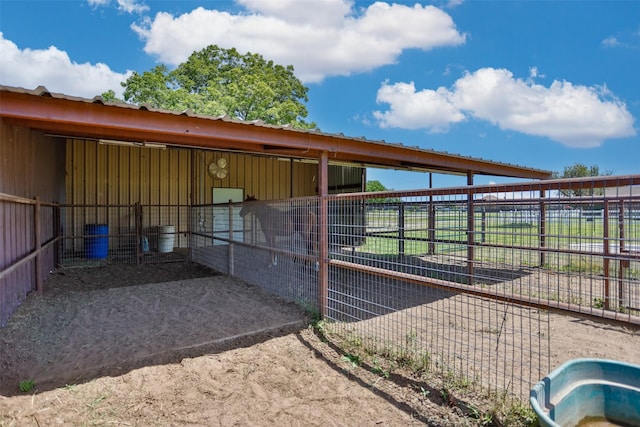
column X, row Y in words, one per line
column 96, row 241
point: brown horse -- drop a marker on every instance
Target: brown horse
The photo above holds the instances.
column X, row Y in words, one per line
column 275, row 223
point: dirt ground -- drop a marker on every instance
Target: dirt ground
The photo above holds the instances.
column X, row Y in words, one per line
column 113, row 346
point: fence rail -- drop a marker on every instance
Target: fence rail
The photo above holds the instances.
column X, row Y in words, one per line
column 464, row 277
column 27, row 248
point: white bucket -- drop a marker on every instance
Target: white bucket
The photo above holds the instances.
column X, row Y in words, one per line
column 166, row 236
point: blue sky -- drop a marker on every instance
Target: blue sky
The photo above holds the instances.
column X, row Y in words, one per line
column 543, row 84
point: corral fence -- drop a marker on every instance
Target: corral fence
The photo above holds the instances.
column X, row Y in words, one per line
column 27, row 250
column 462, row 279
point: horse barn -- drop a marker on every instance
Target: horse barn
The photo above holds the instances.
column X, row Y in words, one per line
column 85, row 183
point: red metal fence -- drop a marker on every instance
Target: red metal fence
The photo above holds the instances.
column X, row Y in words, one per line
column 463, row 277
column 27, row 227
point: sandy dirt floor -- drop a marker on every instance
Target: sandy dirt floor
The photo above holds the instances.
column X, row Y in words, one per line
column 117, row 346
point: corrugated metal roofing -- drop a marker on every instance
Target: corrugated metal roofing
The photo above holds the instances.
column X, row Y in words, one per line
column 373, row 153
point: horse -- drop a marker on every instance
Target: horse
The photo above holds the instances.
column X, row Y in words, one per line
column 274, row 223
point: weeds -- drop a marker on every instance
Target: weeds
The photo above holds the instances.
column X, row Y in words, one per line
column 384, row 360
column 353, row 359
column 26, row 386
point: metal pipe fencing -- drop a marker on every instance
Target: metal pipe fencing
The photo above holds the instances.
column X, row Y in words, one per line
column 461, row 279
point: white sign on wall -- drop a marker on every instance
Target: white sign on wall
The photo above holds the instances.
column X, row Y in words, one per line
column 221, row 214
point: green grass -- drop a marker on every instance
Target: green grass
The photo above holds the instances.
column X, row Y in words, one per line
column 493, row 230
column 26, row 386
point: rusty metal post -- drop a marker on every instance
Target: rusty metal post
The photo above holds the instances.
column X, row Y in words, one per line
column 323, row 271
column 57, row 234
column 431, row 221
column 231, row 260
column 605, row 247
column 431, row 225
column 470, row 231
column 542, row 228
column 138, row 241
column 192, row 201
column 623, row 263
column 401, row 229
column 38, row 246
column 483, row 224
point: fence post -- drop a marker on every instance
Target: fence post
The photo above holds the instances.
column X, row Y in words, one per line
column 542, row 228
column 605, row 247
column 323, row 270
column 623, row 263
column 483, row 224
column 470, row 231
column 431, row 225
column 231, row 260
column 138, row 241
column 401, row 229
column 38, row 246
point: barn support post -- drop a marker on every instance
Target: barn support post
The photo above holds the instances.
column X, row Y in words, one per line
column 470, row 231
column 323, row 270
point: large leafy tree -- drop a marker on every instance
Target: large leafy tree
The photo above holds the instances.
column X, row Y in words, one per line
column 216, row 81
column 579, row 170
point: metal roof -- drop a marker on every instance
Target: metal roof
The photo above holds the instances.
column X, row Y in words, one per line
column 70, row 116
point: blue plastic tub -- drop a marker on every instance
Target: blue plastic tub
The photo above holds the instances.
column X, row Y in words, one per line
column 589, row 390
column 96, row 241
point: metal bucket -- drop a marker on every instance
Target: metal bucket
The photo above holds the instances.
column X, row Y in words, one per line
column 166, row 237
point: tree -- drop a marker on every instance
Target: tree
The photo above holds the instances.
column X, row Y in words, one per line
column 375, row 185
column 216, row 81
column 580, row 170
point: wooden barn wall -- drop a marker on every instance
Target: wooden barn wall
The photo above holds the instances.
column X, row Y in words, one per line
column 31, row 165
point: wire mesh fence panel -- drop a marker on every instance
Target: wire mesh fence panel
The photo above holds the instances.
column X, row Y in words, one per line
column 93, row 235
column 272, row 244
column 487, row 343
column 464, row 278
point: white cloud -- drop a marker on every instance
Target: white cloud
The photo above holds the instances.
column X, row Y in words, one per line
column 574, row 115
column 52, row 68
column 132, row 6
column 610, row 41
column 320, row 39
column 409, row 109
column 128, row 6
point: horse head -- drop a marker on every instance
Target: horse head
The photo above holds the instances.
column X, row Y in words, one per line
column 248, row 207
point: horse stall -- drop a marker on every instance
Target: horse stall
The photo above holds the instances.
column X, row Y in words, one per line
column 110, row 202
